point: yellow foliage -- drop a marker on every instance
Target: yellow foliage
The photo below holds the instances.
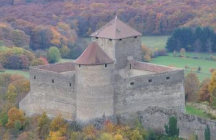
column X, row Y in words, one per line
column 56, row 37
column 58, row 124
column 118, row 137
column 90, row 131
column 56, row 136
column 212, row 83
column 11, row 93
column 14, row 114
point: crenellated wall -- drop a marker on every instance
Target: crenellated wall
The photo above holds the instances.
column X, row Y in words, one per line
column 160, row 89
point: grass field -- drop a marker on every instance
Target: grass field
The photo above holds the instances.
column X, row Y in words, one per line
column 191, row 63
column 194, row 111
column 20, row 72
column 155, row 41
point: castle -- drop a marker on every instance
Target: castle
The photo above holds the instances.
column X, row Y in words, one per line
column 107, row 79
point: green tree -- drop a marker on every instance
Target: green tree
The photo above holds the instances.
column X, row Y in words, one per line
column 3, row 118
column 53, row 55
column 207, row 133
column 151, row 135
column 171, row 129
column 43, row 126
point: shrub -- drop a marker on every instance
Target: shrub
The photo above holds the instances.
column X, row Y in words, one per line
column 53, row 55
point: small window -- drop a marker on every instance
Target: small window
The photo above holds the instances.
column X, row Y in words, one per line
column 52, row 80
column 105, row 65
column 110, row 39
column 167, row 78
column 120, row 39
column 132, row 83
column 70, row 84
column 96, row 37
column 79, row 65
column 150, row 80
column 34, row 77
column 135, row 37
column 130, row 66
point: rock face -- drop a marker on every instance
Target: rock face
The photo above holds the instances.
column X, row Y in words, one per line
column 107, row 79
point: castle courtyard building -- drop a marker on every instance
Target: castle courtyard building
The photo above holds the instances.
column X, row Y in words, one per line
column 107, row 79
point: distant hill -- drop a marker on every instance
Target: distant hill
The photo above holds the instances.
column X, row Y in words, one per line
column 151, row 17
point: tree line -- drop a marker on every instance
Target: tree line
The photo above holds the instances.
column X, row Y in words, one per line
column 192, row 40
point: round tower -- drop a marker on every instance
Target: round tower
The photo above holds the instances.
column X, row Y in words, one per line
column 94, row 75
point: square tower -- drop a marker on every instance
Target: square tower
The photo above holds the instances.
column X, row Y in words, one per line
column 119, row 41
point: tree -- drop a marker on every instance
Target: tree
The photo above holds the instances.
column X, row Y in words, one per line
column 207, row 133
column 203, row 93
column 43, row 126
column 58, row 124
column 191, row 87
column 14, row 114
column 212, row 89
column 118, row 137
column 11, row 93
column 3, row 118
column 171, row 129
column 57, row 135
column 151, row 135
column 53, row 54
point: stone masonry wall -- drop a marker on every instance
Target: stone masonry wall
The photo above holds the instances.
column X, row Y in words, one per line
column 52, row 93
column 138, row 93
column 119, row 50
column 127, row 47
column 155, row 118
column 94, row 91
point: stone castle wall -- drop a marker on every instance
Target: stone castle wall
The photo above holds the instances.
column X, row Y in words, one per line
column 155, row 118
column 127, row 47
column 94, row 91
column 137, row 93
column 52, row 93
column 119, row 50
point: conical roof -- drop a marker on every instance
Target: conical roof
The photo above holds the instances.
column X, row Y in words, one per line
column 116, row 29
column 93, row 55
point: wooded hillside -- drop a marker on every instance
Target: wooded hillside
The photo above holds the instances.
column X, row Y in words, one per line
column 157, row 17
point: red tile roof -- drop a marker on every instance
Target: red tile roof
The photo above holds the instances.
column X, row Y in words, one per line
column 116, row 29
column 93, row 55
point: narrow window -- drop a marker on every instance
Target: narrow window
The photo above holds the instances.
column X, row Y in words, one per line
column 110, row 39
column 135, row 37
column 70, row 84
column 34, row 77
column 120, row 39
column 150, row 80
column 105, row 65
column 96, row 37
column 79, row 65
column 130, row 66
column 167, row 78
column 52, row 80
column 132, row 83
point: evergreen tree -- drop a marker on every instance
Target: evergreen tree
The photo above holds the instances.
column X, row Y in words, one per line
column 171, row 129
column 207, row 133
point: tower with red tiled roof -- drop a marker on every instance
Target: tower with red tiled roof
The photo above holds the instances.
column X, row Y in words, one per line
column 94, row 75
column 119, row 41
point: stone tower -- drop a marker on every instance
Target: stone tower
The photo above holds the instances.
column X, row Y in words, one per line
column 94, row 70
column 119, row 41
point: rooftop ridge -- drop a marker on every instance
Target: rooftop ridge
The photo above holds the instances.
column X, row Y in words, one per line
column 93, row 55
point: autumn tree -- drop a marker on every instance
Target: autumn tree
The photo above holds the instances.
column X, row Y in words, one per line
column 146, row 53
column 203, row 93
column 58, row 128
column 53, row 55
column 14, row 114
column 43, row 126
column 11, row 93
column 212, row 89
column 191, row 87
